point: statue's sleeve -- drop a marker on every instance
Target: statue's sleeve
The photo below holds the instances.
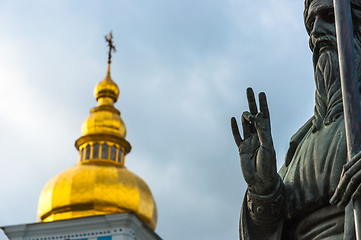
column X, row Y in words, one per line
column 261, row 216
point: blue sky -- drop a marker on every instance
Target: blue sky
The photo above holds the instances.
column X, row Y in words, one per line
column 182, row 68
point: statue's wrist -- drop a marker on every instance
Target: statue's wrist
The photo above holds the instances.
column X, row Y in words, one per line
column 266, row 188
column 265, row 209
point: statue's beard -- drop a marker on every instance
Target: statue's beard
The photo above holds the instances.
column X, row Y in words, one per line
column 328, row 99
column 321, row 45
column 327, row 72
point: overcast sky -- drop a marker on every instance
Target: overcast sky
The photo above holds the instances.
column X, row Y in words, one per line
column 182, row 68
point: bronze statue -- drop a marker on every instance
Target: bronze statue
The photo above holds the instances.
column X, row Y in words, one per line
column 305, row 200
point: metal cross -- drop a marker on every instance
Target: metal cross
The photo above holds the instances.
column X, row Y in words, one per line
column 109, row 40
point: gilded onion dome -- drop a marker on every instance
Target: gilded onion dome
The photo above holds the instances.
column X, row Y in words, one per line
column 99, row 183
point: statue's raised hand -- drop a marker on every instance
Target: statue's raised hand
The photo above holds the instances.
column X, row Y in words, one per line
column 258, row 157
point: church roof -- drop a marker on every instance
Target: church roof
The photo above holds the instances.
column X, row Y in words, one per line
column 99, row 183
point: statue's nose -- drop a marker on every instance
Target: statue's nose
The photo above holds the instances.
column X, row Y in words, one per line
column 319, row 27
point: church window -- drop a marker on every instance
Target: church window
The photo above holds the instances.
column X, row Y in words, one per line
column 113, row 151
column 96, row 147
column 81, row 154
column 87, row 152
column 119, row 155
column 105, row 151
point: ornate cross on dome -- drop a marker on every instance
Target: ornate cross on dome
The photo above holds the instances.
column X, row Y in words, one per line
column 109, row 39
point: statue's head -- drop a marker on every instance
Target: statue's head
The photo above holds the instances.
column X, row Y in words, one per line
column 320, row 24
column 326, row 4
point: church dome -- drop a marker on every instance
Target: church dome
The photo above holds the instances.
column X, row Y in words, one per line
column 105, row 118
column 99, row 183
column 96, row 189
column 107, row 88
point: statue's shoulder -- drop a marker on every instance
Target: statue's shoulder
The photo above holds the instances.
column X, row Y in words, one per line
column 296, row 139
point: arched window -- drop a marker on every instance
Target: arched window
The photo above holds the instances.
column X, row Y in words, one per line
column 96, row 147
column 105, row 151
column 119, row 158
column 82, row 154
column 113, row 152
column 87, row 152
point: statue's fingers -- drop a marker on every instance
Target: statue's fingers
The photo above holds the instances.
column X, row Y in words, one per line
column 247, row 126
column 340, row 189
column 335, row 199
column 352, row 168
column 251, row 101
column 352, row 162
column 342, row 185
column 235, row 131
column 263, row 104
column 263, row 129
column 353, row 184
column 248, row 116
column 357, row 193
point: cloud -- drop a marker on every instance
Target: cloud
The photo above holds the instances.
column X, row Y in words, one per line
column 274, row 14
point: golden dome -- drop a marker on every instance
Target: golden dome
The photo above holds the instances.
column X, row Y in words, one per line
column 105, row 118
column 99, row 184
column 107, row 88
column 96, row 189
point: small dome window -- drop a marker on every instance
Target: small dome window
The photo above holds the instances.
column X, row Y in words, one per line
column 87, row 152
column 119, row 157
column 105, row 151
column 96, row 147
column 82, row 154
column 113, row 152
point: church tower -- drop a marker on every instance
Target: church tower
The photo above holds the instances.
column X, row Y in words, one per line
column 98, row 198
